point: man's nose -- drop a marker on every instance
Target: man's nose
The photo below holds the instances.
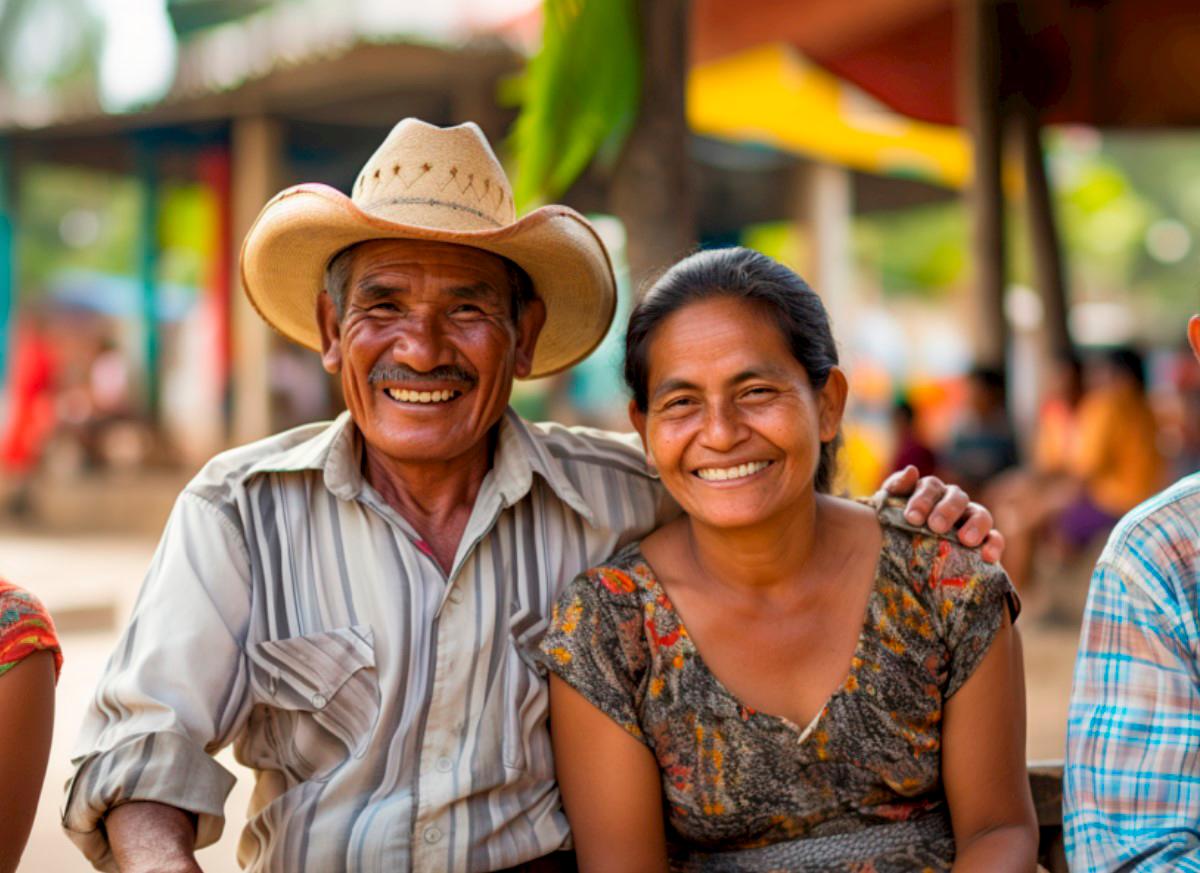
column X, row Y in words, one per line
column 418, row 343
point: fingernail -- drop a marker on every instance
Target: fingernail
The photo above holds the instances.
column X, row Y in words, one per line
column 913, row 516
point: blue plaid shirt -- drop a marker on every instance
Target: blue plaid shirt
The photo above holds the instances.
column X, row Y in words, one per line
column 1132, row 781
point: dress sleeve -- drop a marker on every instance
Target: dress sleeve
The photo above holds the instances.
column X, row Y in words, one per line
column 25, row 628
column 595, row 644
column 970, row 596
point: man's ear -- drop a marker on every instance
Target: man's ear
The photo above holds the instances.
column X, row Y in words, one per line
column 1194, row 335
column 638, row 419
column 832, row 404
column 331, row 333
column 529, row 328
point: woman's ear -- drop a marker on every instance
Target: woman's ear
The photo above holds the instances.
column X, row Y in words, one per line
column 638, row 419
column 832, row 404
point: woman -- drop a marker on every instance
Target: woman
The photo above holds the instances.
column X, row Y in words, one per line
column 30, row 659
column 780, row 679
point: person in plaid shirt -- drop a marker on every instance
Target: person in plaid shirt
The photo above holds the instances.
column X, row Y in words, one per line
column 1132, row 782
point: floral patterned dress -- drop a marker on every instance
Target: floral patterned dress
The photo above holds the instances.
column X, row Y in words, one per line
column 25, row 628
column 859, row 789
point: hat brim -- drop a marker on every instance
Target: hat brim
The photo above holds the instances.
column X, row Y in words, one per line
column 298, row 232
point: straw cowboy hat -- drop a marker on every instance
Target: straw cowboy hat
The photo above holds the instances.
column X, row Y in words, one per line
column 441, row 184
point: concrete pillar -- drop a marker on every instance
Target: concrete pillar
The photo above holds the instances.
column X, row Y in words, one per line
column 826, row 207
column 257, row 153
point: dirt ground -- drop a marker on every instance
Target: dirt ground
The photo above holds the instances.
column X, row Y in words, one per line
column 87, row 558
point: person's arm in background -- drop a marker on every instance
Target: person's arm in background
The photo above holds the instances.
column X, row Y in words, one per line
column 943, row 507
column 26, row 726
column 1131, row 793
column 174, row 692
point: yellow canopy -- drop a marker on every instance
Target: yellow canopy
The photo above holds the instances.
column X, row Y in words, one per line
column 771, row 94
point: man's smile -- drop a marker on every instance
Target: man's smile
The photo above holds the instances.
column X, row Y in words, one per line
column 409, row 395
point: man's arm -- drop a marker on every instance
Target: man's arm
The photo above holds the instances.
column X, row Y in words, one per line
column 174, row 692
column 931, row 501
column 1132, row 780
column 152, row 837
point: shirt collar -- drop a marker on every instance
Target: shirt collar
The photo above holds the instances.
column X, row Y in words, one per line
column 336, row 452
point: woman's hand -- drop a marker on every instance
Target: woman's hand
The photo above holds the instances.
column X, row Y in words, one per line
column 983, row 764
column 931, row 501
column 610, row 787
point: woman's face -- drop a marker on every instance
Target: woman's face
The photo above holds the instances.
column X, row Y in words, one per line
column 732, row 423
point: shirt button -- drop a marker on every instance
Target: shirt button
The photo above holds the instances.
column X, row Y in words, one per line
column 456, row 596
column 319, row 701
column 432, row 835
column 443, row 765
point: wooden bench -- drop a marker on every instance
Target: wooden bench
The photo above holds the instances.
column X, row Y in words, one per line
column 1045, row 780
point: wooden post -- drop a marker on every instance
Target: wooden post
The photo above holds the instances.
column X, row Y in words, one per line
column 8, row 253
column 147, row 243
column 826, row 207
column 257, row 150
column 981, row 106
column 1045, row 242
column 651, row 191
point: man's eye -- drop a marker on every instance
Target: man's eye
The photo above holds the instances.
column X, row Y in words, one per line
column 468, row 309
column 759, row 391
column 678, row 403
column 383, row 307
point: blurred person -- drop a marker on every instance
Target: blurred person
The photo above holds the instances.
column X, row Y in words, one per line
column 779, row 679
column 30, row 417
column 1131, row 784
column 355, row 605
column 30, row 661
column 1115, row 461
column 1029, row 499
column 910, row 450
column 983, row 444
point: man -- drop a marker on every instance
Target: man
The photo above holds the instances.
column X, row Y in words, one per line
column 354, row 605
column 1132, row 782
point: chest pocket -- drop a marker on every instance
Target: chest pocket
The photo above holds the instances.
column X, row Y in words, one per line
column 321, row 693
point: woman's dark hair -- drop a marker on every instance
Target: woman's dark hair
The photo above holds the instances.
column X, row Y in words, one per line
column 739, row 274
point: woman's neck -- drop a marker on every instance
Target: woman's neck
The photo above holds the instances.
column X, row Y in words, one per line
column 761, row 557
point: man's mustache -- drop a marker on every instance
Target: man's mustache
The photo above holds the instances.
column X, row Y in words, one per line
column 382, row 372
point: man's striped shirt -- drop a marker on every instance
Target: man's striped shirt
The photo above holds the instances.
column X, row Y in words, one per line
column 393, row 714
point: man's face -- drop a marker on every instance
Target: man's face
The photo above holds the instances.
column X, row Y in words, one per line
column 427, row 346
column 1194, row 335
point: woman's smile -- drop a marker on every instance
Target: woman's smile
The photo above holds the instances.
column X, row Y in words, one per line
column 734, row 474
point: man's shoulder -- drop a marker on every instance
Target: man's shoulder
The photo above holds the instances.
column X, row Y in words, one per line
column 588, row 446
column 1157, row 544
column 224, row 474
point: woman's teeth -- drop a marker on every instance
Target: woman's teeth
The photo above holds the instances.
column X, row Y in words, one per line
column 406, row 396
column 720, row 474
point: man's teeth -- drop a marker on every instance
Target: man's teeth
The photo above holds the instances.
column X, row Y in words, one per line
column 720, row 474
column 406, row 396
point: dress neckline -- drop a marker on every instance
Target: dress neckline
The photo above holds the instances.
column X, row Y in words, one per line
column 748, row 712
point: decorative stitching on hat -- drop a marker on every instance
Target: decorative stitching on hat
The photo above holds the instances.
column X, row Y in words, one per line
column 429, row 201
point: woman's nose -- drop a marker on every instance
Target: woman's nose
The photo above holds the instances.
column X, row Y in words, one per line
column 722, row 427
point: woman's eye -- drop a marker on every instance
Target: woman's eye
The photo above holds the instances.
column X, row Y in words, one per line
column 759, row 391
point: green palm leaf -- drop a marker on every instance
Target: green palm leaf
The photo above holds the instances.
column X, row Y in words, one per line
column 578, row 95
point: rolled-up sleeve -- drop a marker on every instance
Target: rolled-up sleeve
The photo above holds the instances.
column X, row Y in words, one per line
column 174, row 690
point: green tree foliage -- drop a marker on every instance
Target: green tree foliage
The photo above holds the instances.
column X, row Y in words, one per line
column 578, row 95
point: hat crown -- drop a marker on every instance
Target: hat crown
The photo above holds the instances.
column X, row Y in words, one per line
column 438, row 177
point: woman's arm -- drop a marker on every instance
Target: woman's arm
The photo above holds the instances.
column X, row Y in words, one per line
column 610, row 786
column 26, row 726
column 983, row 764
